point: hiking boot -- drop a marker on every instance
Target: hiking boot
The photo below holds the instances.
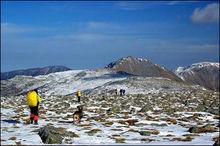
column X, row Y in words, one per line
column 35, row 123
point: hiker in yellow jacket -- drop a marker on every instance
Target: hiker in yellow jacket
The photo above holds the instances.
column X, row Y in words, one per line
column 33, row 100
column 78, row 95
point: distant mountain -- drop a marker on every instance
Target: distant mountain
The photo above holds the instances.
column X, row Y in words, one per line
column 205, row 74
column 33, row 71
column 141, row 67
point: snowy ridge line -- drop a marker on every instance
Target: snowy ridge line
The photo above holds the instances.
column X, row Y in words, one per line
column 205, row 74
column 196, row 65
column 203, row 64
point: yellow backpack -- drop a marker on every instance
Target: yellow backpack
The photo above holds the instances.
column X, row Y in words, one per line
column 78, row 93
column 33, row 98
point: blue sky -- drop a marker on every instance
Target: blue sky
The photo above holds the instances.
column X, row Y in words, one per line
column 87, row 35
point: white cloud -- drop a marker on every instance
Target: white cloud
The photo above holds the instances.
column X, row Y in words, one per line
column 10, row 28
column 208, row 14
column 13, row 29
column 103, row 25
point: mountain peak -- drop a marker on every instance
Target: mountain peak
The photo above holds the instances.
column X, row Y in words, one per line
column 141, row 67
column 126, row 60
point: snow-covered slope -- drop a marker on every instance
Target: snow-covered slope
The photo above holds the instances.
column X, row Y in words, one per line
column 205, row 74
column 89, row 81
column 61, row 83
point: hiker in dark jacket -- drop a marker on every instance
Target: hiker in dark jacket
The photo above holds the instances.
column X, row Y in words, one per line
column 121, row 92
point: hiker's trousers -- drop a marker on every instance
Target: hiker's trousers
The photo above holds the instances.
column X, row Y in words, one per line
column 34, row 113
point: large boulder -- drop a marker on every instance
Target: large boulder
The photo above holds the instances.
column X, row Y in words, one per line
column 52, row 135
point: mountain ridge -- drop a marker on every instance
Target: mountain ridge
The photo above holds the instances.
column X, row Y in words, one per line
column 33, row 71
column 205, row 74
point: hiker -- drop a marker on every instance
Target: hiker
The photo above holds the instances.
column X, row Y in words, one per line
column 116, row 92
column 33, row 100
column 78, row 95
column 123, row 92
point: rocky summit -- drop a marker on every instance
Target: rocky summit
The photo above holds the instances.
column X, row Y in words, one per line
column 141, row 67
column 153, row 109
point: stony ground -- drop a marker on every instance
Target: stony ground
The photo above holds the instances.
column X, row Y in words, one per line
column 170, row 118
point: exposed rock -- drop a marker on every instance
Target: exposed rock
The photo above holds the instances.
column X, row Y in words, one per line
column 18, row 143
column 130, row 122
column 12, row 138
column 203, row 129
column 108, row 124
column 145, row 133
column 155, row 132
column 187, row 138
column 147, row 139
column 171, row 120
column 149, row 132
column 93, row 131
column 116, row 129
column 217, row 141
column 120, row 140
column 53, row 135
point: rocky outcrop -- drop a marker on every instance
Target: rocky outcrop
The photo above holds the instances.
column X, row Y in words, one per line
column 141, row 67
column 203, row 129
column 217, row 141
column 52, row 135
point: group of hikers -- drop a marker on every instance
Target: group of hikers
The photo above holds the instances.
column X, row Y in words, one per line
column 34, row 99
column 121, row 92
